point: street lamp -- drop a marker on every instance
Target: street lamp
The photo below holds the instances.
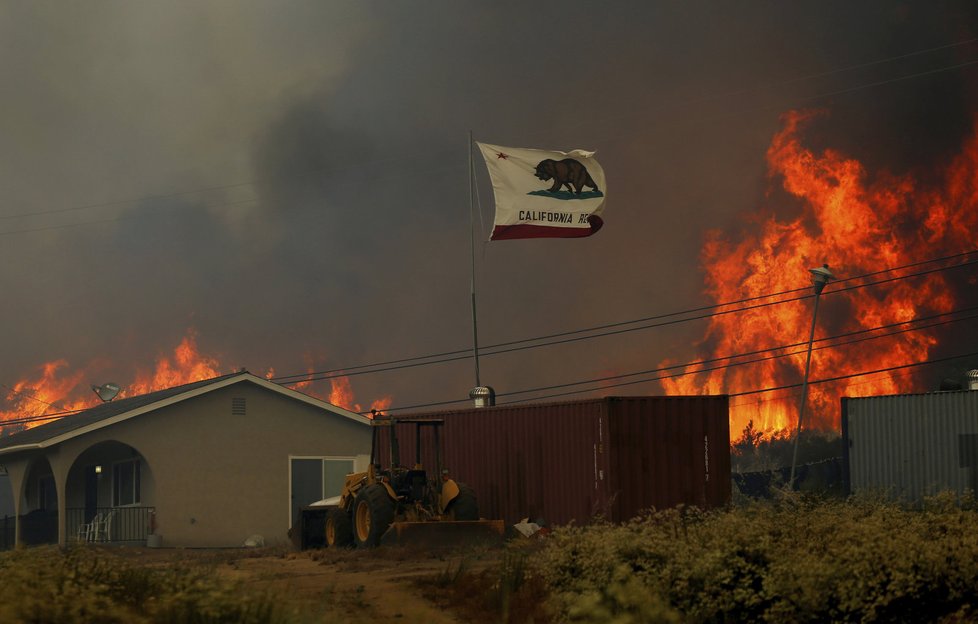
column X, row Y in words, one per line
column 820, row 277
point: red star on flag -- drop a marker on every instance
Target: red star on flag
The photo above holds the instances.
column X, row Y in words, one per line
column 501, row 155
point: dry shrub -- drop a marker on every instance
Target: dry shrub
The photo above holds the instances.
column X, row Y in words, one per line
column 79, row 585
column 507, row 592
column 795, row 560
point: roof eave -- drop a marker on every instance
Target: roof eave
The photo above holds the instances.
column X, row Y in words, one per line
column 183, row 396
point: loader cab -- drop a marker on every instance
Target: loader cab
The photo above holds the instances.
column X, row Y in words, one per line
column 413, row 486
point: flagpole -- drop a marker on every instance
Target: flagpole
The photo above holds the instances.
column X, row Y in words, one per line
column 475, row 326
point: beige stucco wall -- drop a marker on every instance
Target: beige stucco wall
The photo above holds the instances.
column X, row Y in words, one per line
column 214, row 478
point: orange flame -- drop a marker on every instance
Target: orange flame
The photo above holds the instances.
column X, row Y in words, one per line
column 341, row 393
column 856, row 225
column 35, row 396
column 186, row 366
column 54, row 389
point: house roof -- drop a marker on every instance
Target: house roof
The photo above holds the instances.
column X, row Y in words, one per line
column 112, row 412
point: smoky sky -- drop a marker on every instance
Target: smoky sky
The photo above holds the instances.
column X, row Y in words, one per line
column 290, row 179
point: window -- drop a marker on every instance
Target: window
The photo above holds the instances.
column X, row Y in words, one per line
column 125, row 483
column 316, row 478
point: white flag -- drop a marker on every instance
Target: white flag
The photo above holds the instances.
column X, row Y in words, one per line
column 541, row 194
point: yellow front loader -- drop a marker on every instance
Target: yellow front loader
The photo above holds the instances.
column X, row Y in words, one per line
column 406, row 505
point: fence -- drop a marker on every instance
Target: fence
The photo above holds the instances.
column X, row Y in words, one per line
column 108, row 524
column 7, row 528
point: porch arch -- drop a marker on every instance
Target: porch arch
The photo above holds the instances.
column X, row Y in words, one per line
column 111, row 483
column 38, row 508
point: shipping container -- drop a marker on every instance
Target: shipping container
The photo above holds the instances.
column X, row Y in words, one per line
column 910, row 446
column 572, row 461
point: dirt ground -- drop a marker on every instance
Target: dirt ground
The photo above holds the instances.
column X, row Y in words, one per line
column 387, row 584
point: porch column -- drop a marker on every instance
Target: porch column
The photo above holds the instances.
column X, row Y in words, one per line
column 59, row 469
column 17, row 471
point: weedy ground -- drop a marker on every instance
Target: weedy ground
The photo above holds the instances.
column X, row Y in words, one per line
column 793, row 559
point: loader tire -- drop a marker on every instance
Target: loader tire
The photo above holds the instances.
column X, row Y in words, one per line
column 373, row 512
column 464, row 506
column 339, row 529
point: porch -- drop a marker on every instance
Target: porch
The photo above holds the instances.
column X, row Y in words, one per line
column 116, row 525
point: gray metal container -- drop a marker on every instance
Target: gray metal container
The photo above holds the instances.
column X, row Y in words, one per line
column 910, row 446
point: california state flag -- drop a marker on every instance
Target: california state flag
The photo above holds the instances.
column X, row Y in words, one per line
column 542, row 194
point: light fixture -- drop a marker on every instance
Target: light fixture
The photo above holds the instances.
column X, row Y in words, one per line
column 98, row 469
column 820, row 277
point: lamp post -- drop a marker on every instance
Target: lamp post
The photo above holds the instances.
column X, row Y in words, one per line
column 820, row 277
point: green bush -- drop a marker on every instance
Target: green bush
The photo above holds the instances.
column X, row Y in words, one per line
column 795, row 560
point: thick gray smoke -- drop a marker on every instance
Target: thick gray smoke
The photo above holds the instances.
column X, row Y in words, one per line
column 326, row 145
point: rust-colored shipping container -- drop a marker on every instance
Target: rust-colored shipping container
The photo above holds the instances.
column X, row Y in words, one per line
column 572, row 461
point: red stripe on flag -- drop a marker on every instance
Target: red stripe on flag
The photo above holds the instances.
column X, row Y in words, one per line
column 525, row 230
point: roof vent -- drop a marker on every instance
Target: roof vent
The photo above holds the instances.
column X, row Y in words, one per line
column 973, row 379
column 483, row 396
column 238, row 406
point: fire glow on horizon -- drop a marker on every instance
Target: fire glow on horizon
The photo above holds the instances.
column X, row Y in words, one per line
column 56, row 387
column 857, row 223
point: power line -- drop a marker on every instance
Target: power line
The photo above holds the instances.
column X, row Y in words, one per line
column 733, row 364
column 763, row 390
column 686, row 365
column 793, row 395
column 495, row 349
column 768, row 350
column 710, row 369
column 29, row 396
column 860, row 374
column 640, row 381
column 41, row 417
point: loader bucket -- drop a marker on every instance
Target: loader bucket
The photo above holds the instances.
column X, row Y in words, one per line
column 444, row 533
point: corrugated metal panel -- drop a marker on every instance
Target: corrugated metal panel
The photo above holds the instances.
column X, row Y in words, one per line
column 573, row 460
column 912, row 445
column 670, row 451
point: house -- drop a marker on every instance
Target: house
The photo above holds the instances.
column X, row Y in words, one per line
column 206, row 464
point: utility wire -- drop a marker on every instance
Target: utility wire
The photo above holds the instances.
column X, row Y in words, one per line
column 495, row 349
column 32, row 419
column 860, row 374
column 710, row 369
column 634, row 382
column 714, row 368
column 763, row 390
column 686, row 365
column 762, row 351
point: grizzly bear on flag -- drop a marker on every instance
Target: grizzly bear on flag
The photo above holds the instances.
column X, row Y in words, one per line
column 567, row 172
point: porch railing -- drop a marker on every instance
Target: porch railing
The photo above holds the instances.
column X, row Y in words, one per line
column 108, row 524
column 7, row 528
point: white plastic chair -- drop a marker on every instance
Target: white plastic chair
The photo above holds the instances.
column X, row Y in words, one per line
column 102, row 528
column 87, row 529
